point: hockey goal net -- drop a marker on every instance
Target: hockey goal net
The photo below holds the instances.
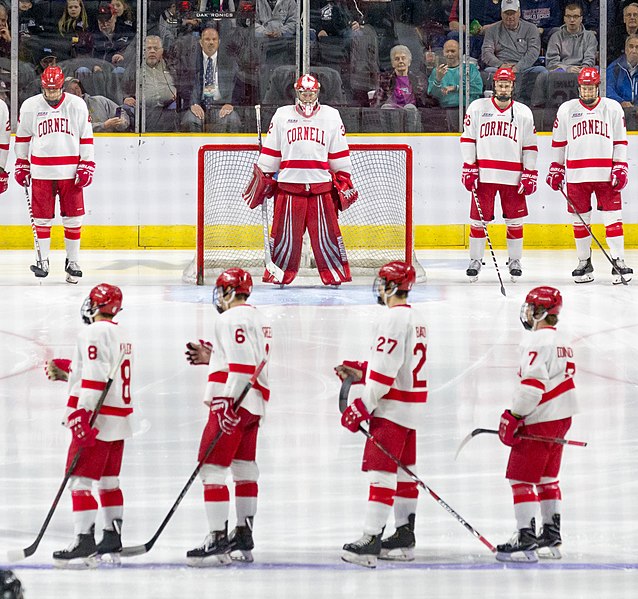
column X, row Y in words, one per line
column 376, row 229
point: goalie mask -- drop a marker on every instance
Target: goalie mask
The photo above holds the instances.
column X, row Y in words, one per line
column 229, row 284
column 51, row 82
column 540, row 303
column 394, row 276
column 307, row 91
column 588, row 82
column 103, row 299
column 10, row 585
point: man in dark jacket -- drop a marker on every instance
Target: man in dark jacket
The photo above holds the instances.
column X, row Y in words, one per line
column 622, row 80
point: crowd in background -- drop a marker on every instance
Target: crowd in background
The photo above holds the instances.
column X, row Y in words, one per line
column 393, row 65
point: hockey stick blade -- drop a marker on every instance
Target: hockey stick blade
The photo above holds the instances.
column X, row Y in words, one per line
column 38, row 271
column 146, row 547
column 476, row 431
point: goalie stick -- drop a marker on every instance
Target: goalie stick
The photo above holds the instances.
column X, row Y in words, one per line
column 146, row 547
column 15, row 555
column 271, row 267
column 559, row 440
column 38, row 268
column 343, row 403
column 591, row 233
column 489, row 241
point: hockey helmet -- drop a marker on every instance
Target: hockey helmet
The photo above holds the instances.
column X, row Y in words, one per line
column 393, row 276
column 307, row 92
column 103, row 298
column 232, row 282
column 504, row 74
column 10, row 585
column 540, row 302
column 588, row 76
column 52, row 78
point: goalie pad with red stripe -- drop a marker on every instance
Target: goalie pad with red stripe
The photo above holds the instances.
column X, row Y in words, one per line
column 260, row 187
column 343, row 191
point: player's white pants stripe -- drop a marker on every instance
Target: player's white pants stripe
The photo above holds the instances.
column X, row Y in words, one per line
column 329, row 250
column 282, row 252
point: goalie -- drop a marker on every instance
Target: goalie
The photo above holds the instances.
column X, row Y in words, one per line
column 307, row 144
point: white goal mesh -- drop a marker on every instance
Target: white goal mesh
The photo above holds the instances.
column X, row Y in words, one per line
column 376, row 229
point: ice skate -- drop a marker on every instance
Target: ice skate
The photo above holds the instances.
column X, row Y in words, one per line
column 241, row 542
column 80, row 554
column 521, row 547
column 583, row 272
column 109, row 548
column 363, row 552
column 73, row 272
column 41, row 269
column 214, row 551
column 549, row 539
column 473, row 270
column 400, row 545
column 515, row 269
column 620, row 268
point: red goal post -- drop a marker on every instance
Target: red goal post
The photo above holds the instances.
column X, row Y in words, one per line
column 376, row 229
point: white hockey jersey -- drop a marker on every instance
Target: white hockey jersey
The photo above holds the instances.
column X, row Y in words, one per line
column 54, row 138
column 241, row 340
column 589, row 140
column 501, row 142
column 305, row 149
column 546, row 391
column 396, row 385
column 5, row 134
column 98, row 347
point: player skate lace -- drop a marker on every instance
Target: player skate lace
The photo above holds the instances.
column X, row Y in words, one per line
column 475, row 264
column 363, row 541
column 208, row 542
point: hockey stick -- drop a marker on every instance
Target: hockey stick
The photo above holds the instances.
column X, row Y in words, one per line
column 559, row 440
column 489, row 241
column 16, row 555
column 146, row 547
column 271, row 267
column 602, row 249
column 38, row 268
column 343, row 402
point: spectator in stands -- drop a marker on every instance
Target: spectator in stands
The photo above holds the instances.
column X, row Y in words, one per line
column 5, row 32
column 622, row 76
column 160, row 94
column 572, row 47
column 617, row 36
column 30, row 19
column 243, row 49
column 400, row 89
column 591, row 15
column 73, row 27
column 169, row 26
column 111, row 41
column 514, row 43
column 105, row 114
column 276, row 18
column 211, row 107
column 124, row 16
column 483, row 14
column 443, row 83
column 545, row 14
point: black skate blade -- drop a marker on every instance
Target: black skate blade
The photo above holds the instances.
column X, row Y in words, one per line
column 39, row 272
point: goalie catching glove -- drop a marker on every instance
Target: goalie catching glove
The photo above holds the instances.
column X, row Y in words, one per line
column 58, row 369
column 223, row 408
column 198, row 353
column 260, row 187
column 343, row 190
column 80, row 425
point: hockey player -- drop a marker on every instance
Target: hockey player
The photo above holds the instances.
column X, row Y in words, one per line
column 54, row 136
column 543, row 405
column 307, row 144
column 99, row 346
column 393, row 400
column 5, row 136
column 499, row 152
column 240, row 341
column 589, row 143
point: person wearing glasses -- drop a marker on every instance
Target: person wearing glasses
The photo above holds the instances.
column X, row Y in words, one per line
column 572, row 47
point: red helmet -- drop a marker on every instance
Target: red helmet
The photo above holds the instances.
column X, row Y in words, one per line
column 237, row 279
column 588, row 76
column 504, row 74
column 52, row 78
column 103, row 298
column 403, row 275
column 540, row 302
column 307, row 83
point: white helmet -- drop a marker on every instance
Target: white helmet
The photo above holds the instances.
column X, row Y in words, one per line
column 307, row 90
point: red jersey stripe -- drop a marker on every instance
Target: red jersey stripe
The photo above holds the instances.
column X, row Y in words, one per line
column 501, row 165
column 380, row 378
column 305, row 164
column 218, row 377
column 72, row 402
column 406, row 396
column 566, row 385
column 590, row 163
column 467, row 140
column 558, row 144
column 23, row 140
column 86, row 140
column 95, row 385
column 54, row 160
column 533, row 383
column 335, row 155
column 115, row 411
column 271, row 152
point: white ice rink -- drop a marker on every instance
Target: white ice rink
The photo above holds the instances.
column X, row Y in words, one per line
column 312, row 493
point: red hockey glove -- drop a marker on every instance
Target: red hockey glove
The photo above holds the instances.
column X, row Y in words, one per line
column 619, row 175
column 470, row 176
column 528, row 182
column 507, row 428
column 556, row 175
column 4, row 181
column 58, row 369
column 80, row 426
column 260, row 187
column 350, row 367
column 198, row 353
column 226, row 415
column 346, row 194
column 84, row 174
column 22, row 173
column 354, row 415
